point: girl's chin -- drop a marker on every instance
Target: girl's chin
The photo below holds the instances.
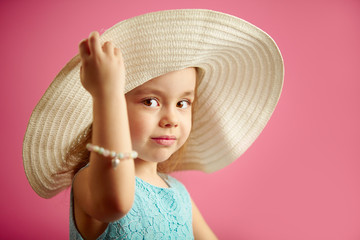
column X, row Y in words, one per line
column 157, row 159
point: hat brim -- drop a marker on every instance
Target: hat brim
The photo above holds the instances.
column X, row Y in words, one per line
column 240, row 87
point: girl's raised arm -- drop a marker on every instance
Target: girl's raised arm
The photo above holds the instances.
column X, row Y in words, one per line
column 102, row 193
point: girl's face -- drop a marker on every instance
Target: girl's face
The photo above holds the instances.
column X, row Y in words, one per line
column 160, row 114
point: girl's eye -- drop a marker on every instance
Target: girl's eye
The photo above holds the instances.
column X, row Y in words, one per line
column 183, row 104
column 151, row 102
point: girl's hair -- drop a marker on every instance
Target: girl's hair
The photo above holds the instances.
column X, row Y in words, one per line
column 78, row 153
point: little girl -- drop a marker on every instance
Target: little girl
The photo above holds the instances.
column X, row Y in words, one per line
column 165, row 91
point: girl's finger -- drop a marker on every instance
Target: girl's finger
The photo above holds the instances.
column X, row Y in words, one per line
column 108, row 47
column 117, row 51
column 84, row 48
column 94, row 43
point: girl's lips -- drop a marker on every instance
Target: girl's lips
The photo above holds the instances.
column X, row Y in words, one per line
column 165, row 140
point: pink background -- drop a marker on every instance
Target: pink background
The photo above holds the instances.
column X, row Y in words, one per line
column 301, row 178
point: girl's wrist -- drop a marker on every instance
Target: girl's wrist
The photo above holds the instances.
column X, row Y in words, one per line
column 108, row 94
column 109, row 98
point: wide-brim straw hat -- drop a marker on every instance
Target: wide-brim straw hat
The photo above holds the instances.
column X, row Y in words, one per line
column 241, row 79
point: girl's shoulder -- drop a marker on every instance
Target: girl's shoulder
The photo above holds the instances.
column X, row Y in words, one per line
column 173, row 182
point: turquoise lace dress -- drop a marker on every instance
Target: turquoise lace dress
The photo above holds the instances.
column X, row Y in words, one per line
column 157, row 213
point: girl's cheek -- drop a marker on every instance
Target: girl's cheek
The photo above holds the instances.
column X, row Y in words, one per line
column 187, row 127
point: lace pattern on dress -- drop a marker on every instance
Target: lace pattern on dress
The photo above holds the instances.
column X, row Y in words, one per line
column 157, row 213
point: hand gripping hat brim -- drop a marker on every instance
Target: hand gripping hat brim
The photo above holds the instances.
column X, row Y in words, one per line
column 241, row 80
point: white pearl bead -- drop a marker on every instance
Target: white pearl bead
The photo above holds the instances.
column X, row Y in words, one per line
column 115, row 162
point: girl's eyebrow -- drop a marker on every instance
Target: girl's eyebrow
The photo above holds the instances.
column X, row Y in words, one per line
column 145, row 91
column 188, row 94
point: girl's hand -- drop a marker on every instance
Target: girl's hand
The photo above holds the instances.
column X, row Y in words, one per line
column 102, row 71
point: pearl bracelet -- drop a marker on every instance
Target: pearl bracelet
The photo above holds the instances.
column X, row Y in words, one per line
column 116, row 157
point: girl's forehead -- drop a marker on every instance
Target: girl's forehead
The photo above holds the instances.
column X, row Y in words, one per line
column 181, row 81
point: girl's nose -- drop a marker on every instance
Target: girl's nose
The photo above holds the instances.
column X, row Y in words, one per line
column 168, row 120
